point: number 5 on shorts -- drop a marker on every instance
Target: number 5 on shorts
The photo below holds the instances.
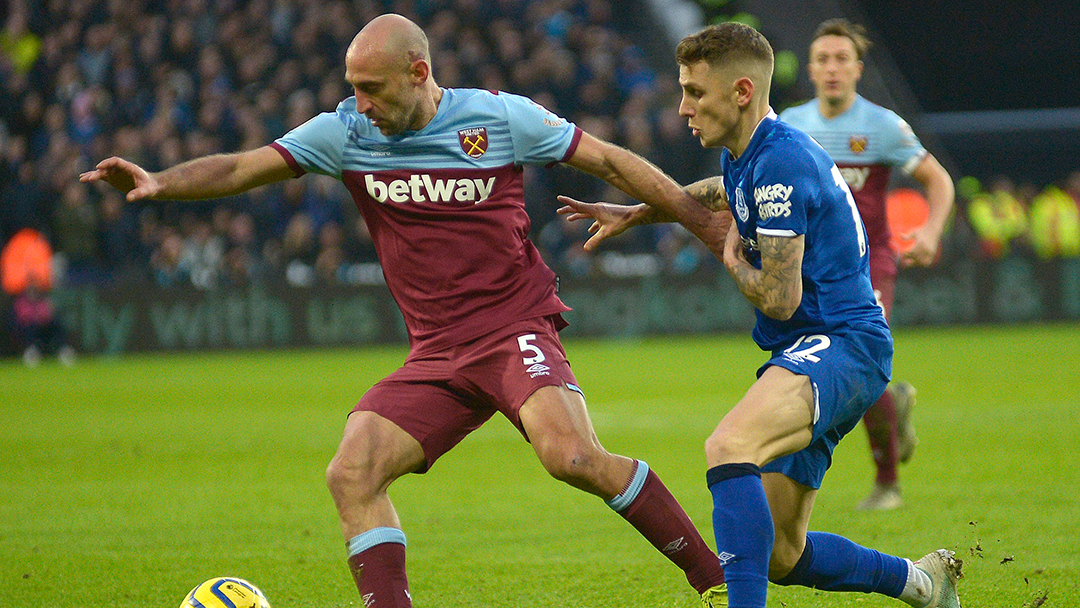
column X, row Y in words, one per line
column 523, row 344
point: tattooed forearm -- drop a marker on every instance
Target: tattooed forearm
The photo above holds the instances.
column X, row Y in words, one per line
column 709, row 192
column 656, row 216
column 776, row 289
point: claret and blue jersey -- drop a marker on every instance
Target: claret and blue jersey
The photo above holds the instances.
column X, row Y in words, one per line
column 866, row 142
column 785, row 185
column 445, row 206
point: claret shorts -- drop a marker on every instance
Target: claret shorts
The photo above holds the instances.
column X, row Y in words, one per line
column 440, row 397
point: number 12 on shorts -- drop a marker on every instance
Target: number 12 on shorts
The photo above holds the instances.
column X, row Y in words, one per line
column 805, row 347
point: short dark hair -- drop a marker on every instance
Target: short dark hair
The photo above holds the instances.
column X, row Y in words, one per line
column 718, row 43
column 846, row 29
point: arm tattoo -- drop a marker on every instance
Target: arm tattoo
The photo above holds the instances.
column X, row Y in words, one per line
column 657, row 216
column 776, row 289
column 709, row 192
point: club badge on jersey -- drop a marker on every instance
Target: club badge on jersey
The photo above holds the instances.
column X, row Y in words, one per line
column 474, row 142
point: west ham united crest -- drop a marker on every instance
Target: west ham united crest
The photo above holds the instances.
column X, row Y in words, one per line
column 857, row 143
column 474, row 142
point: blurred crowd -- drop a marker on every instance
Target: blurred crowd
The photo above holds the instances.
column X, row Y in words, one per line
column 1007, row 218
column 162, row 81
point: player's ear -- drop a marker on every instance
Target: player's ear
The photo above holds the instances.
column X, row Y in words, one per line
column 419, row 71
column 743, row 90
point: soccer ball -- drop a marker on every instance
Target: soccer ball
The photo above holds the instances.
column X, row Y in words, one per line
column 225, row 592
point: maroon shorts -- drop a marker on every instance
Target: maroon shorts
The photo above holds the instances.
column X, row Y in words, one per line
column 883, row 275
column 440, row 397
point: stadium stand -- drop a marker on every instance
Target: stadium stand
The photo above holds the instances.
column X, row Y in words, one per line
column 161, row 81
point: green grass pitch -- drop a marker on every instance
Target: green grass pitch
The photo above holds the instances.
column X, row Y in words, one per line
column 124, row 482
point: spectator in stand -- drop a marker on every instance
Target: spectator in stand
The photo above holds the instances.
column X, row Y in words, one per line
column 26, row 274
column 167, row 265
column 39, row 329
column 18, row 45
column 1072, row 187
column 998, row 218
column 76, row 230
column 681, row 252
column 1055, row 220
column 298, row 250
column 204, row 252
column 118, row 228
column 23, row 200
column 330, row 261
column 563, row 244
column 187, row 79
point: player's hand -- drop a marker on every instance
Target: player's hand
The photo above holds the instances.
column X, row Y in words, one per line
column 734, row 255
column 608, row 219
column 125, row 176
column 924, row 248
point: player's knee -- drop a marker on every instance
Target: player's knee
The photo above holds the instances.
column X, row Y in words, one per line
column 783, row 560
column 572, row 464
column 342, row 476
column 567, row 467
column 356, row 469
column 723, row 447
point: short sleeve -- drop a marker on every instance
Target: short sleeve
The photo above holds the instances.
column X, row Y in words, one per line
column 903, row 148
column 539, row 135
column 316, row 146
column 784, row 191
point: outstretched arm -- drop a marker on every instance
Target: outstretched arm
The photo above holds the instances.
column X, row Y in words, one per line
column 611, row 220
column 709, row 192
column 645, row 182
column 608, row 219
column 212, row 176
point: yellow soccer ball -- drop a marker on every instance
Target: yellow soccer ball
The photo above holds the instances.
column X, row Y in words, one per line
column 225, row 592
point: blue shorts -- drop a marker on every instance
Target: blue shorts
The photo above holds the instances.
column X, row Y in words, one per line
column 849, row 370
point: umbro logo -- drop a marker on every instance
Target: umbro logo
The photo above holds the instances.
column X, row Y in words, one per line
column 725, row 558
column 538, row 369
column 676, row 545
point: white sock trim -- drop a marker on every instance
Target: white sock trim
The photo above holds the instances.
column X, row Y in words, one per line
column 919, row 587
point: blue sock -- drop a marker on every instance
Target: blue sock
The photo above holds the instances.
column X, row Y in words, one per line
column 834, row 563
column 744, row 531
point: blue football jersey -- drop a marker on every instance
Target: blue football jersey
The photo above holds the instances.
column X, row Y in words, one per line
column 784, row 184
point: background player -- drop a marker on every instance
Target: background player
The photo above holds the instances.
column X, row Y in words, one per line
column 866, row 141
column 797, row 250
column 436, row 174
